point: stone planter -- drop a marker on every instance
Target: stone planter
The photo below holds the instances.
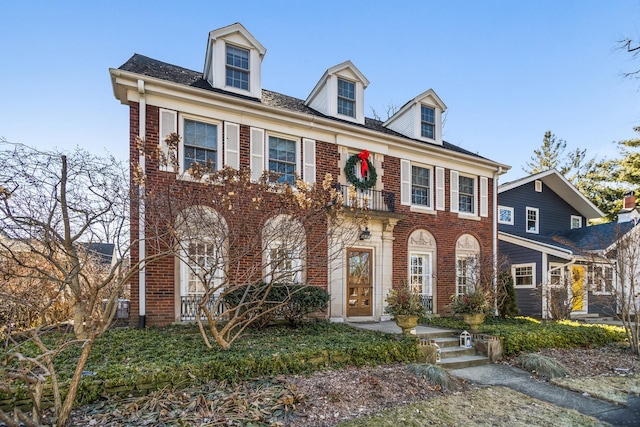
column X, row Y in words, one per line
column 474, row 320
column 406, row 322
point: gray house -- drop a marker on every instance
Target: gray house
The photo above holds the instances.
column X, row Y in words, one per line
column 543, row 232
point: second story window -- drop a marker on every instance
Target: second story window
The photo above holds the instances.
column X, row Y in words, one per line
column 576, row 221
column 346, row 98
column 466, row 194
column 532, row 220
column 237, row 67
column 505, row 215
column 200, row 144
column 420, row 186
column 427, row 122
column 282, row 158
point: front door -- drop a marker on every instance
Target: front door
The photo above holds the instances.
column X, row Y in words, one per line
column 577, row 289
column 359, row 282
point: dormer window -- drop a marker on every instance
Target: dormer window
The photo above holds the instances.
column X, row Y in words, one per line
column 346, row 98
column 237, row 67
column 428, row 122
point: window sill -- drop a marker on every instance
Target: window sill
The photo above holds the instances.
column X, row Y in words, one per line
column 472, row 217
column 524, row 286
column 422, row 209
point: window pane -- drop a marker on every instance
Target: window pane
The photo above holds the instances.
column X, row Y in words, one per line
column 200, row 144
column 346, row 98
column 282, row 158
column 466, row 194
column 237, row 67
column 420, row 188
column 427, row 118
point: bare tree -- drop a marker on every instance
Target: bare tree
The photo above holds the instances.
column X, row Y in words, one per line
column 54, row 208
column 245, row 238
column 632, row 47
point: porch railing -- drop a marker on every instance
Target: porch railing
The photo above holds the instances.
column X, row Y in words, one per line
column 427, row 302
column 376, row 200
column 189, row 307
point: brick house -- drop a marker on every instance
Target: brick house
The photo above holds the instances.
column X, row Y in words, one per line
column 432, row 203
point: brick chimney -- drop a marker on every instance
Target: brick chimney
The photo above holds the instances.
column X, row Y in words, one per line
column 629, row 200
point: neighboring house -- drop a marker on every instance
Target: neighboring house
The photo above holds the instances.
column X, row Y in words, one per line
column 432, row 203
column 544, row 234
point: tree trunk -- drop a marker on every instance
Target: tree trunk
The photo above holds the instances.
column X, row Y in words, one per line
column 63, row 416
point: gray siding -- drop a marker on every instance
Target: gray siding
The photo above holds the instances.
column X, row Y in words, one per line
column 529, row 300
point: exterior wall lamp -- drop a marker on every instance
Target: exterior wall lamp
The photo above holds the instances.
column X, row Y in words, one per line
column 365, row 234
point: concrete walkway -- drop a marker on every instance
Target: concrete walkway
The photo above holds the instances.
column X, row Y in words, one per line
column 519, row 380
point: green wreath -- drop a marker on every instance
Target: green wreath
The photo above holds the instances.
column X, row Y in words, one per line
column 349, row 170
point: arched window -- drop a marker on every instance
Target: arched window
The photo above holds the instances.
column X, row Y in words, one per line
column 203, row 235
column 467, row 264
column 284, row 243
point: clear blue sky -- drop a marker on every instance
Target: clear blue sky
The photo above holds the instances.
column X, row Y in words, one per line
column 507, row 70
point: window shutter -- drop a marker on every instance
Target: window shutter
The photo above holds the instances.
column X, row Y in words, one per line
column 309, row 160
column 484, row 196
column 405, row 182
column 257, row 153
column 232, row 145
column 440, row 189
column 454, row 191
column 168, row 125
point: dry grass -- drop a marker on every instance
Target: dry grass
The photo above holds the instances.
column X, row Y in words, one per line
column 613, row 389
column 542, row 365
column 480, row 407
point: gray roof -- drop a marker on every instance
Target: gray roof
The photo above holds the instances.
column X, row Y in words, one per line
column 146, row 66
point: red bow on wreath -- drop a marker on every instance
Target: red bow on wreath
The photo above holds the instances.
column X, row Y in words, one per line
column 364, row 168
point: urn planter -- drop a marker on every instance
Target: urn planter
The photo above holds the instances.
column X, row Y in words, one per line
column 474, row 320
column 406, row 322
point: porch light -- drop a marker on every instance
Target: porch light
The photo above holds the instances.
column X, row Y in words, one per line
column 365, row 234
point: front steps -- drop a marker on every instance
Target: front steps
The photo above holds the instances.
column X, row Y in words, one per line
column 452, row 356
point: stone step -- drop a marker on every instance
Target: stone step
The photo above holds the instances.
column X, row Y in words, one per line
column 451, row 352
column 445, row 333
column 460, row 362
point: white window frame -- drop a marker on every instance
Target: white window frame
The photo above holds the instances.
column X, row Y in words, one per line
column 431, row 187
column 432, row 124
column 576, row 218
column 220, row 143
column 352, row 100
column 294, row 269
column 469, row 273
column 426, row 288
column 474, row 202
column 597, row 282
column 507, row 209
column 536, row 230
column 557, row 270
column 515, row 267
column 267, row 139
column 187, row 272
column 227, row 66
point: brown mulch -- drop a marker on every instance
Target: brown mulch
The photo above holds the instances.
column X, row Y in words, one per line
column 321, row 399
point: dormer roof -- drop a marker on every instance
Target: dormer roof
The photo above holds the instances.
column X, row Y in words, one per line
column 215, row 63
column 408, row 119
column 324, row 96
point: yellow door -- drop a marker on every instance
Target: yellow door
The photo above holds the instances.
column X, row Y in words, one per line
column 577, row 288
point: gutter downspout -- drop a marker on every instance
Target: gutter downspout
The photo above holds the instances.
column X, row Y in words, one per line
column 494, row 248
column 142, row 271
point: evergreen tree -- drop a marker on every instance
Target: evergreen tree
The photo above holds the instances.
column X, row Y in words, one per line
column 548, row 156
column 507, row 299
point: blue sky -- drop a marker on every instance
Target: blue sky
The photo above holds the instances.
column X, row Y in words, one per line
column 507, row 70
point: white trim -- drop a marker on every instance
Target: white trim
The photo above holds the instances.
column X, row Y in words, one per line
column 526, row 220
column 533, row 275
column 295, row 140
column 219, row 147
column 579, row 218
column 536, row 246
column 505, row 208
column 440, row 192
column 167, row 124
column 309, row 160
column 232, row 145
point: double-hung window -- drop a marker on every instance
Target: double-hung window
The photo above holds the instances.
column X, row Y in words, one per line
column 465, row 274
column 466, row 194
column 420, row 186
column 282, row 158
column 237, row 71
column 427, row 122
column 532, row 220
column 524, row 275
column 346, row 98
column 200, row 145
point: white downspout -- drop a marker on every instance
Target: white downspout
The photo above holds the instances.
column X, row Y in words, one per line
column 142, row 285
column 494, row 248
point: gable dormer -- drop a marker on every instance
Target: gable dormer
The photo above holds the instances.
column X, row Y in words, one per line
column 340, row 93
column 420, row 118
column 233, row 61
